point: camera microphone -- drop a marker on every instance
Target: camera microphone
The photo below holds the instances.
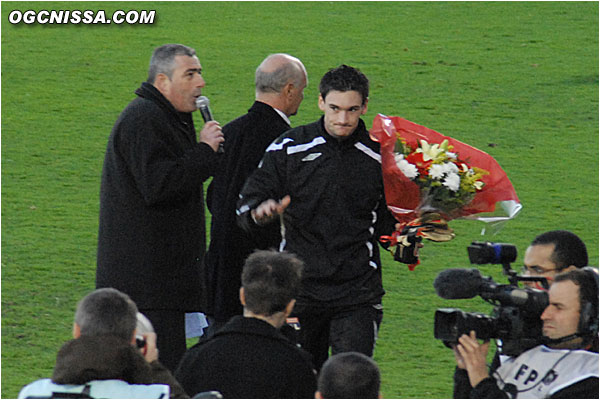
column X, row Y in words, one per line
column 203, row 105
column 458, row 283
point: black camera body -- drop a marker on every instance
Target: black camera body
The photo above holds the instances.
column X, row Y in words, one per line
column 491, row 253
column 515, row 319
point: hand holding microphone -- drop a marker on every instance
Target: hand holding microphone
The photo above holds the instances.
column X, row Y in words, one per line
column 211, row 132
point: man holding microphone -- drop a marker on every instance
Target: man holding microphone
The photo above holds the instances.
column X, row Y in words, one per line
column 151, row 236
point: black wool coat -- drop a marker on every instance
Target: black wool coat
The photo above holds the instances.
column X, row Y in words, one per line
column 248, row 358
column 151, row 237
column 246, row 139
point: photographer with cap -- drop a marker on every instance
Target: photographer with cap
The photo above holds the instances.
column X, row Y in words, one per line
column 565, row 365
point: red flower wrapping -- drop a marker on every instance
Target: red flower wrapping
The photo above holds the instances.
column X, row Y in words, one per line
column 496, row 201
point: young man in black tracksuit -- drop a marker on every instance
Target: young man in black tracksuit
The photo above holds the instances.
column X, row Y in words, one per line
column 325, row 180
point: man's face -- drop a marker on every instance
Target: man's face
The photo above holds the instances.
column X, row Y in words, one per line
column 342, row 112
column 185, row 84
column 538, row 262
column 561, row 317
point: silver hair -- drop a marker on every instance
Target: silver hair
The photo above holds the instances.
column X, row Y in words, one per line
column 107, row 311
column 163, row 59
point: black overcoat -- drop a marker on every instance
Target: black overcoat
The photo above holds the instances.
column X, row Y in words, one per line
column 151, row 236
column 246, row 139
column 248, row 358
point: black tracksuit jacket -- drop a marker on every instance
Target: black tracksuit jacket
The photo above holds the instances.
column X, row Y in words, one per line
column 337, row 210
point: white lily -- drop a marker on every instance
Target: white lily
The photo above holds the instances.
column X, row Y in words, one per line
column 432, row 151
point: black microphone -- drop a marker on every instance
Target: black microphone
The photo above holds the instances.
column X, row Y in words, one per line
column 202, row 103
column 458, row 283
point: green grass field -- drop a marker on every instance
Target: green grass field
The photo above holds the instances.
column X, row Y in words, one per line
column 517, row 80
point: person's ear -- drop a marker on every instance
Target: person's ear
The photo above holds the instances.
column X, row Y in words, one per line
column 364, row 106
column 569, row 268
column 321, row 103
column 162, row 83
column 288, row 90
column 290, row 307
column 76, row 331
column 242, row 297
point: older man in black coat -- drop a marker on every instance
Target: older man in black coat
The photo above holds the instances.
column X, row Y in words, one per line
column 151, row 233
column 280, row 81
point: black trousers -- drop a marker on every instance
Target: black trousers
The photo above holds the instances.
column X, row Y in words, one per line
column 169, row 326
column 343, row 329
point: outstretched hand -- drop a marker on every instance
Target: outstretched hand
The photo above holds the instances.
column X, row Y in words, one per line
column 269, row 210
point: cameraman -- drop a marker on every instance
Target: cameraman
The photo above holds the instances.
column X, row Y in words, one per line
column 565, row 366
column 552, row 253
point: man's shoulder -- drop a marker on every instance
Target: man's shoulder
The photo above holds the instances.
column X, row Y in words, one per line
column 252, row 330
column 299, row 135
column 141, row 107
column 260, row 114
column 140, row 112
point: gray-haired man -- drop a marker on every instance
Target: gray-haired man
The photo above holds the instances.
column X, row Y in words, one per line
column 104, row 360
column 151, row 237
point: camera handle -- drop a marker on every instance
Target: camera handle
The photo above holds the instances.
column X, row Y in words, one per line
column 512, row 275
column 514, row 278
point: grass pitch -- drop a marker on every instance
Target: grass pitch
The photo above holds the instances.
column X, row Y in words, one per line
column 517, row 80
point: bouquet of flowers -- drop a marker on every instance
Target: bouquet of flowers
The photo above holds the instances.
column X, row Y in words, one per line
column 431, row 179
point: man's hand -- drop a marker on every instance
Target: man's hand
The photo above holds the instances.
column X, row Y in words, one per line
column 150, row 351
column 460, row 363
column 269, row 209
column 211, row 134
column 473, row 356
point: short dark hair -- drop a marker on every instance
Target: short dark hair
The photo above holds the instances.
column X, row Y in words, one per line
column 271, row 280
column 163, row 58
column 344, row 79
column 107, row 311
column 569, row 249
column 349, row 375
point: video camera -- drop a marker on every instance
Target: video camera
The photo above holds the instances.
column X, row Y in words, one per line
column 515, row 320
